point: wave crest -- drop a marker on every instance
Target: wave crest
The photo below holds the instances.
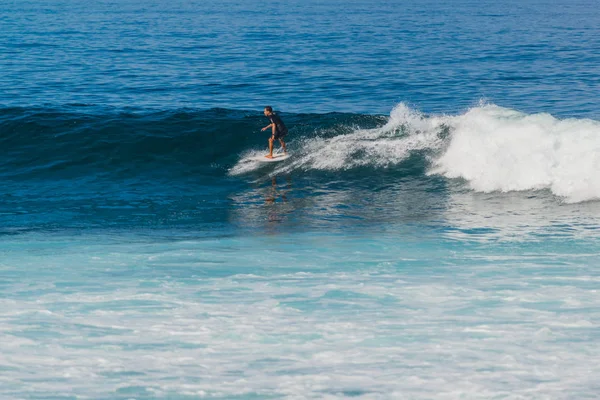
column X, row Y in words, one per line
column 405, row 132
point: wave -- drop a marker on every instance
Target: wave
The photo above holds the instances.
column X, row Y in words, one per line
column 51, row 143
column 489, row 147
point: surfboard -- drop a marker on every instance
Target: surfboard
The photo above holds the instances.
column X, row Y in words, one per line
column 276, row 158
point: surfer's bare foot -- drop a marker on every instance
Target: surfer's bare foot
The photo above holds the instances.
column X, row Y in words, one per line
column 268, row 156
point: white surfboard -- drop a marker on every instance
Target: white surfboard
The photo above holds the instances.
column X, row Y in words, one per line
column 276, row 158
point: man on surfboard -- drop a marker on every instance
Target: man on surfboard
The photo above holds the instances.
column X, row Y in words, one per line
column 278, row 130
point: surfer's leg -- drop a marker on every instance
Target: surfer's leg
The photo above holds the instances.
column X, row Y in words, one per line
column 270, row 148
column 283, row 146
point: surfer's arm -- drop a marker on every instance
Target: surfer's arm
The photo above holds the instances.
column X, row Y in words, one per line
column 267, row 127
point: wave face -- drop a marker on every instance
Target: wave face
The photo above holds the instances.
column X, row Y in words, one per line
column 58, row 143
column 493, row 149
column 40, row 143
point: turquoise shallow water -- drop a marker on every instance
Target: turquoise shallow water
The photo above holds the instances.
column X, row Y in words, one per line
column 435, row 233
column 300, row 315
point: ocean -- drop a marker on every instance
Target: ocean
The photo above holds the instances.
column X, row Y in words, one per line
column 435, row 233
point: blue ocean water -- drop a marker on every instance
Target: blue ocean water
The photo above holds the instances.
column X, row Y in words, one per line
column 435, row 233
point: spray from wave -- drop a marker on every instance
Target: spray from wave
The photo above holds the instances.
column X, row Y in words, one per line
column 498, row 149
column 406, row 132
column 492, row 148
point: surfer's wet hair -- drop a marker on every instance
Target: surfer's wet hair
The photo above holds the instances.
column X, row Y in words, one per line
column 269, row 108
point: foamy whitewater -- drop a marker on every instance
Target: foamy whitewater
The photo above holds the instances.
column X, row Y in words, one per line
column 497, row 149
column 304, row 316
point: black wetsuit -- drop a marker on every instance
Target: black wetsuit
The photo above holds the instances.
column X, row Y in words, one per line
column 280, row 129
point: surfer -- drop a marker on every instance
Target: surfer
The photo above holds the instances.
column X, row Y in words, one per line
column 278, row 130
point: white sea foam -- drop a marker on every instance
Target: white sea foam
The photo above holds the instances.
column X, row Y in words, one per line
column 374, row 326
column 498, row 149
column 406, row 131
column 490, row 147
